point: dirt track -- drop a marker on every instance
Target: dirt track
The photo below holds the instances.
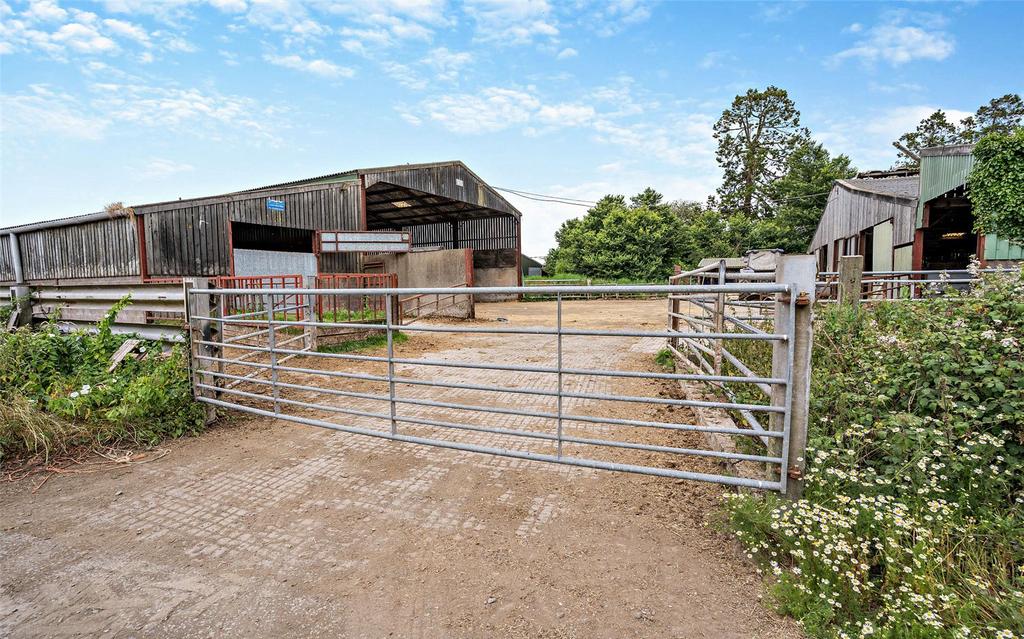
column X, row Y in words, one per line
column 263, row 527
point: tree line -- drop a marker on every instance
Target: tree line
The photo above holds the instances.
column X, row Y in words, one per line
column 775, row 185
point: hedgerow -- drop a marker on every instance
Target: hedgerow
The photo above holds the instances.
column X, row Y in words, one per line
column 912, row 521
column 55, row 391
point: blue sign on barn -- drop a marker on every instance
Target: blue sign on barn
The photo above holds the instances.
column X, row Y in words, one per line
column 275, row 205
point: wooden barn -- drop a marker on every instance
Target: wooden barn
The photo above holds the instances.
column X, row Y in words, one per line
column 902, row 220
column 271, row 230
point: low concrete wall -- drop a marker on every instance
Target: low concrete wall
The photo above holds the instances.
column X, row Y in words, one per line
column 434, row 269
column 495, row 267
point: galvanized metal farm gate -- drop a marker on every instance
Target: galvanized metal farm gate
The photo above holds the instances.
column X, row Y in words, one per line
column 553, row 408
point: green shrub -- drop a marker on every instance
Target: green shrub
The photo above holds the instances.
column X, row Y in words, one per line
column 57, row 391
column 912, row 522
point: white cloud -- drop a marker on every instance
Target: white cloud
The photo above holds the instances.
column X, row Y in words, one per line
column 45, row 11
column 567, row 53
column 779, row 11
column 189, row 111
column 867, row 138
column 511, row 22
column 898, row 39
column 159, row 168
column 566, row 114
column 616, row 15
column 447, row 64
column 713, row 59
column 230, row 6
column 83, row 38
column 40, row 110
column 127, row 30
column 487, row 111
column 379, row 24
column 230, row 59
column 319, row 67
column 404, row 75
column 611, row 167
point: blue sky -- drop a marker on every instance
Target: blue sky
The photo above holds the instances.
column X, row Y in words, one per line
column 137, row 101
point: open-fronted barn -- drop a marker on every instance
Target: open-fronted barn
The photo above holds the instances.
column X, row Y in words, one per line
column 900, row 221
column 272, row 229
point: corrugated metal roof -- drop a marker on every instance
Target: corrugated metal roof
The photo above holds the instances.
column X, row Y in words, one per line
column 948, row 150
column 904, row 187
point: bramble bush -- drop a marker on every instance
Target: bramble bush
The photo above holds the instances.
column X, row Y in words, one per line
column 55, row 391
column 912, row 521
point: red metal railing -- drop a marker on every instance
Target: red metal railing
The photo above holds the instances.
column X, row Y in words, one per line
column 286, row 307
column 353, row 308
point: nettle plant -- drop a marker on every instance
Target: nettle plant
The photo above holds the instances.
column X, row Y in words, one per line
column 912, row 523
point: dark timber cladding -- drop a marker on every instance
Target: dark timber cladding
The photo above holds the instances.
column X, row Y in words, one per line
column 443, row 204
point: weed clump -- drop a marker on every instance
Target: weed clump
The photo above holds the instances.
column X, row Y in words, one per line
column 56, row 391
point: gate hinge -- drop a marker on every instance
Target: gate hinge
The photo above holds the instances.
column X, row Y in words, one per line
column 803, row 299
column 794, row 473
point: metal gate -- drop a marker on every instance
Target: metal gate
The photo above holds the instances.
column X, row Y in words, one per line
column 564, row 401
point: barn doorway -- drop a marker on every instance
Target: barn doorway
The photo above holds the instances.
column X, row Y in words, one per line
column 260, row 249
column 949, row 238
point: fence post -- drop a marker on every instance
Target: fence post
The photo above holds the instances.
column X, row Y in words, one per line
column 268, row 303
column 203, row 330
column 673, row 311
column 558, row 363
column 791, row 360
column 21, row 300
column 312, row 303
column 719, row 319
column 388, row 312
column 851, row 274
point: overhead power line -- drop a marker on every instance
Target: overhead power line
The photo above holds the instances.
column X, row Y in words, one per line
column 558, row 199
column 540, row 197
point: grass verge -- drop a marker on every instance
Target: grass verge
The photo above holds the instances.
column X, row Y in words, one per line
column 375, row 340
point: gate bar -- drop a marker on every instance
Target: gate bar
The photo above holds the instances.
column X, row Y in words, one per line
column 473, row 448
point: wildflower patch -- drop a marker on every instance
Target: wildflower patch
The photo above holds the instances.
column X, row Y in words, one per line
column 913, row 516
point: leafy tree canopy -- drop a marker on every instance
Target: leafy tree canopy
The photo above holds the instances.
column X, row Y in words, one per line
column 756, row 136
column 1001, row 115
column 996, row 185
column 638, row 241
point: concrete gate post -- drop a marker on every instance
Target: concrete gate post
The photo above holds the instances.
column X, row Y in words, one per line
column 798, row 271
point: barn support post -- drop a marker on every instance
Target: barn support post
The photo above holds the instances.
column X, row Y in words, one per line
column 791, row 360
column 205, row 305
column 19, row 271
column 140, row 233
column 851, row 276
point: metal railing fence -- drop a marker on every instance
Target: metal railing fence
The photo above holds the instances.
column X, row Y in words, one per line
column 81, row 305
column 543, row 401
column 423, row 305
column 702, row 317
column 252, row 299
column 367, row 306
column 901, row 285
